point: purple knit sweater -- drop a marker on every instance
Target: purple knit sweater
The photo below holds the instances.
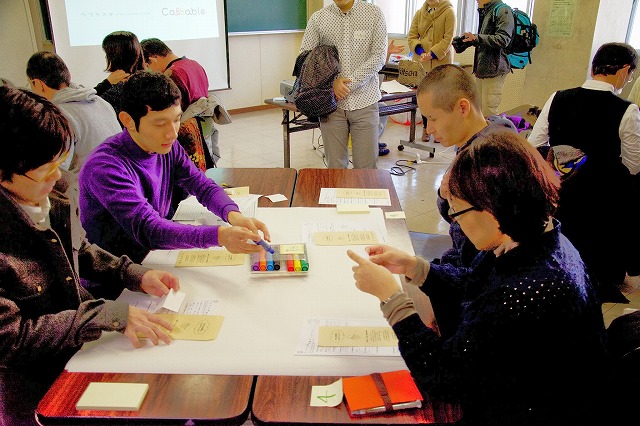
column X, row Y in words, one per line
column 125, row 199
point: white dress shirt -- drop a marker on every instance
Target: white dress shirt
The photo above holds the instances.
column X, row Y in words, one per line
column 629, row 130
column 360, row 35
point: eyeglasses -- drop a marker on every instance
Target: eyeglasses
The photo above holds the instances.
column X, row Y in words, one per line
column 52, row 169
column 453, row 215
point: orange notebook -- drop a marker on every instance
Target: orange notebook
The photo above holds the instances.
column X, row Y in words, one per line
column 380, row 392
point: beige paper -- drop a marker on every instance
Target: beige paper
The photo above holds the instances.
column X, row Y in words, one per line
column 112, row 396
column 353, row 208
column 362, row 193
column 356, row 336
column 193, row 327
column 345, row 238
column 291, row 248
column 208, row 258
column 240, row 191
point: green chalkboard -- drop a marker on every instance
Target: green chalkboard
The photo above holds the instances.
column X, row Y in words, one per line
column 266, row 15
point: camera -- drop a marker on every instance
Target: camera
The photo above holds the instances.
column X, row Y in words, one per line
column 459, row 45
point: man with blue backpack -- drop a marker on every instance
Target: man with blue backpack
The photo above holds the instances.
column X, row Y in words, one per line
column 490, row 63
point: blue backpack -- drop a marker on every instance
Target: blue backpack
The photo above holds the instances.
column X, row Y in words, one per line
column 524, row 39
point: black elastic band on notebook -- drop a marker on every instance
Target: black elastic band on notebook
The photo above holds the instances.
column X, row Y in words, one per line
column 382, row 389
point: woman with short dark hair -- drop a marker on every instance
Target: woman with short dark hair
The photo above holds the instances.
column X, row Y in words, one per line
column 522, row 333
column 124, row 56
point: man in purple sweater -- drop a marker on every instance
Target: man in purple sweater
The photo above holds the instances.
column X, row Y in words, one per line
column 127, row 183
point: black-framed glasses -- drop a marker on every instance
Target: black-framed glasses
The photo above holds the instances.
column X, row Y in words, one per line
column 453, row 215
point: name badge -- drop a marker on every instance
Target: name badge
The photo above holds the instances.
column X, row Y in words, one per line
column 360, row 35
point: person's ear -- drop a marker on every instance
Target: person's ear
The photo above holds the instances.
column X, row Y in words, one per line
column 465, row 106
column 127, row 121
column 38, row 86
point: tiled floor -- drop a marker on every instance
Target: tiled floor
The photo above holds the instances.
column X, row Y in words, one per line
column 254, row 139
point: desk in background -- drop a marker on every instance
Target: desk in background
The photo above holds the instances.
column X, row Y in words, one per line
column 299, row 122
column 260, row 181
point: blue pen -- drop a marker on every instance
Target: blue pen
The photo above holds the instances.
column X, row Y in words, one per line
column 266, row 246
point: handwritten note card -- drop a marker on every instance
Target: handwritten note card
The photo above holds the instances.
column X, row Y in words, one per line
column 208, row 258
column 326, row 396
column 346, row 238
column 356, row 336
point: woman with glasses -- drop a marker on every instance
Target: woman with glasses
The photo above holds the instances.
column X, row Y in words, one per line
column 45, row 314
column 522, row 341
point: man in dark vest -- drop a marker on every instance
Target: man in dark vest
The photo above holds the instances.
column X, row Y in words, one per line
column 595, row 143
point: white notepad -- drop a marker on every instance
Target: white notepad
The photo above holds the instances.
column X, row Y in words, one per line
column 113, row 396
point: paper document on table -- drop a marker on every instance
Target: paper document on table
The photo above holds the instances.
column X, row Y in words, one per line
column 356, row 336
column 208, row 257
column 310, row 335
column 392, row 86
column 310, row 229
column 151, row 303
column 348, row 238
column 193, row 327
column 371, row 197
column 190, row 210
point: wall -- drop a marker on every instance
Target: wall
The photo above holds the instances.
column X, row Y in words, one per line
column 18, row 40
column 257, row 64
column 564, row 62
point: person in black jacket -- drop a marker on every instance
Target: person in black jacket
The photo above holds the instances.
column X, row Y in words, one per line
column 605, row 129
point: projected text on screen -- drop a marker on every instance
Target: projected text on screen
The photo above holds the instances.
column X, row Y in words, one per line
column 90, row 21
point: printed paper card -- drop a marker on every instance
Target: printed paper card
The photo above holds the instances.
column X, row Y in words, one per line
column 356, row 336
column 362, row 193
column 193, row 327
column 345, row 238
column 208, row 258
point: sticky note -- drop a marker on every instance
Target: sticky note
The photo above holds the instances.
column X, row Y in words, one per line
column 240, row 191
column 353, row 208
column 326, row 396
column 395, row 215
column 113, row 396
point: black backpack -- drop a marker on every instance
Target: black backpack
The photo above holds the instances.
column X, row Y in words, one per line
column 315, row 70
column 524, row 39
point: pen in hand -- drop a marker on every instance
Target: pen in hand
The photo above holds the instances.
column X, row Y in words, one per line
column 265, row 245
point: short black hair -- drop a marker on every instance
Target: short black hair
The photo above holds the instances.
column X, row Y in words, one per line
column 505, row 175
column 50, row 68
column 449, row 83
column 33, row 132
column 612, row 57
column 123, row 52
column 154, row 47
column 148, row 91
